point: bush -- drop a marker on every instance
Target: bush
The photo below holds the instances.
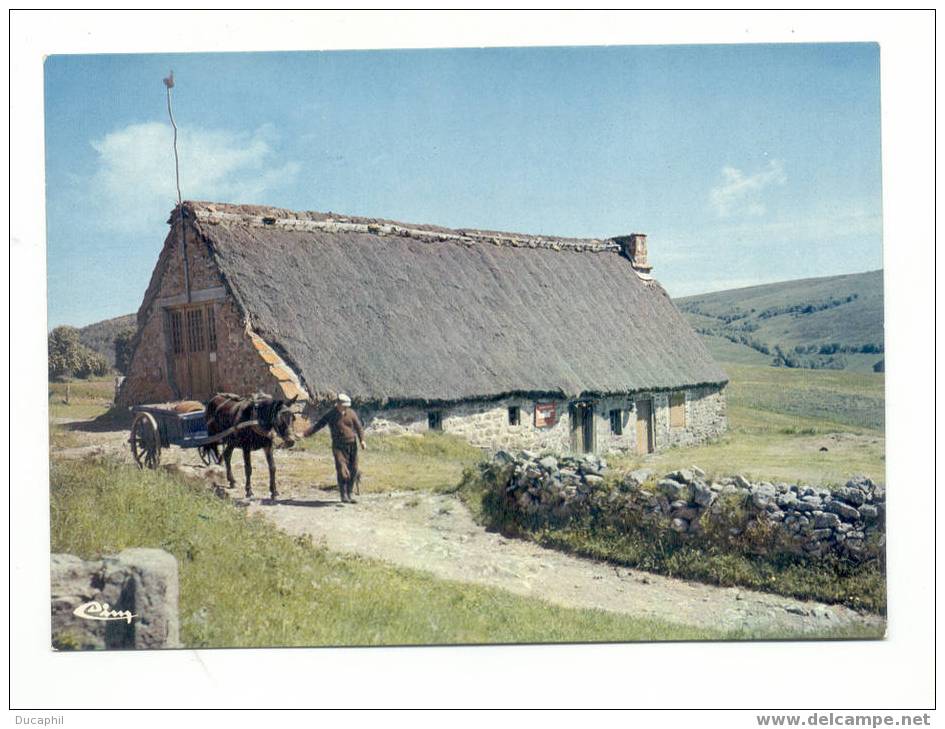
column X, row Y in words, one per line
column 91, row 364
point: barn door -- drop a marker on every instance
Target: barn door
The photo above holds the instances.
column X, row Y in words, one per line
column 644, row 410
column 193, row 345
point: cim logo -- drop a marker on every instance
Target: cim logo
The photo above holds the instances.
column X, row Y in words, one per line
column 102, row 611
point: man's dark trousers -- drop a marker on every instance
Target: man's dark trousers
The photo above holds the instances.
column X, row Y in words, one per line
column 346, row 467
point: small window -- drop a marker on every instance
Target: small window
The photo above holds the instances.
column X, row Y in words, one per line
column 514, row 415
column 677, row 410
column 616, row 422
column 435, row 420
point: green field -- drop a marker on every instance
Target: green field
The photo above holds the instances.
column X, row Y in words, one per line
column 81, row 399
column 840, row 399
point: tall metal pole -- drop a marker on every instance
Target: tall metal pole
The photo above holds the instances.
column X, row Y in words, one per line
column 169, row 84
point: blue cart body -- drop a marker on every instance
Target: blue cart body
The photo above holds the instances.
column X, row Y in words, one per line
column 186, row 430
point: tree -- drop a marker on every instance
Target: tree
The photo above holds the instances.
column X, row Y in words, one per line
column 69, row 358
column 123, row 349
column 65, row 352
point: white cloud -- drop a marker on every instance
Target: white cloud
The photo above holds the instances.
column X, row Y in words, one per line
column 741, row 194
column 133, row 186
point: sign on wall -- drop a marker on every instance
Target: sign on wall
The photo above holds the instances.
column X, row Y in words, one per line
column 546, row 414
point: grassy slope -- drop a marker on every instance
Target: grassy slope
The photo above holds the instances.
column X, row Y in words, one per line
column 854, row 323
column 244, row 583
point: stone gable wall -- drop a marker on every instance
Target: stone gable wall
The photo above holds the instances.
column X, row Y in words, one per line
column 241, row 365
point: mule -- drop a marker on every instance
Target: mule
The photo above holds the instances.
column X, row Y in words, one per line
column 255, row 423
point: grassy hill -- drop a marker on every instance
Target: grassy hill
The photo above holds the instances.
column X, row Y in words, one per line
column 835, row 322
column 100, row 336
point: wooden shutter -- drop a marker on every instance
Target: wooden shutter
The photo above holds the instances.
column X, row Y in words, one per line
column 677, row 410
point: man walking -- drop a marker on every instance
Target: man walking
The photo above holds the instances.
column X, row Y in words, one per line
column 346, row 433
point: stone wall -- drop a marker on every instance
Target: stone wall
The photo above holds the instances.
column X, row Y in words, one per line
column 731, row 512
column 486, row 424
column 137, row 590
column 706, row 417
column 148, row 378
column 240, row 365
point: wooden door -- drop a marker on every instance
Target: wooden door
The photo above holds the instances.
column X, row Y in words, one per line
column 644, row 410
column 587, row 427
column 193, row 346
column 582, row 426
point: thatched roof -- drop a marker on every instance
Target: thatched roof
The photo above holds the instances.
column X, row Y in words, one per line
column 395, row 312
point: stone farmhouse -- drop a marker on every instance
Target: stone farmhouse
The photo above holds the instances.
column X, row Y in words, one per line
column 509, row 340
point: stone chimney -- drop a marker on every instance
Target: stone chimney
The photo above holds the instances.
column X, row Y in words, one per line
column 634, row 248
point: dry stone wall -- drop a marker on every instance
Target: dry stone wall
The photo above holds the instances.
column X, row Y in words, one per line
column 847, row 522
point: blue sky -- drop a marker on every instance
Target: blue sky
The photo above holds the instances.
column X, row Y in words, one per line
column 743, row 163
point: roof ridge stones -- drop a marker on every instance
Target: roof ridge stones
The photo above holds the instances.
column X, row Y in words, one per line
column 285, row 220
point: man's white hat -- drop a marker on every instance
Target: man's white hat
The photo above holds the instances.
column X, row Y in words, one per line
column 343, row 399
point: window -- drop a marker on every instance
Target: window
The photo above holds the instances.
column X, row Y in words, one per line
column 616, row 422
column 435, row 420
column 177, row 338
column 514, row 415
column 677, row 410
column 195, row 336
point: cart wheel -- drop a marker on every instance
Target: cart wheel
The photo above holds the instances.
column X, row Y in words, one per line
column 208, row 455
column 145, row 441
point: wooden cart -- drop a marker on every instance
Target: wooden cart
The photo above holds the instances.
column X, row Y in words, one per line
column 160, row 426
